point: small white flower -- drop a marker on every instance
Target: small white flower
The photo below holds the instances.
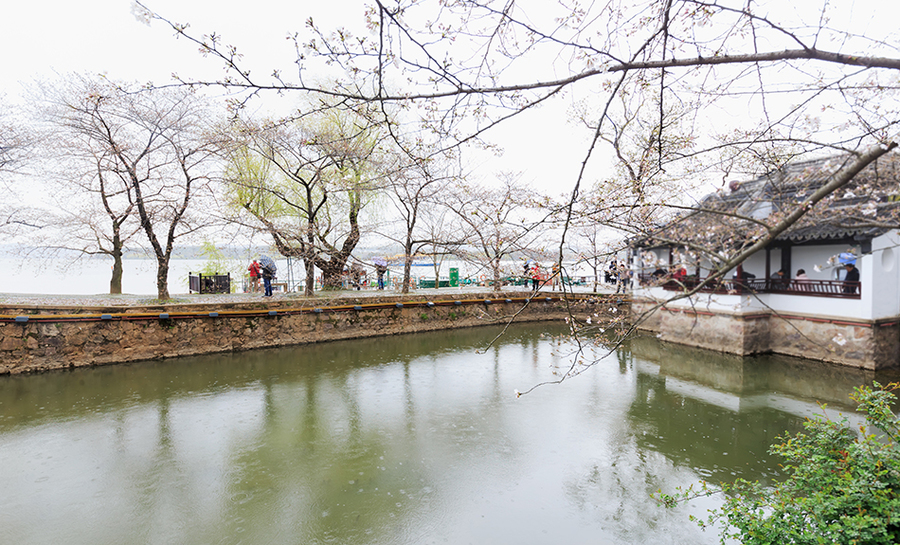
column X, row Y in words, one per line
column 839, row 340
column 817, row 268
column 589, row 320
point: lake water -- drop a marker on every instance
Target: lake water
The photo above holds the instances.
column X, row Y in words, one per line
column 91, row 276
column 411, row 439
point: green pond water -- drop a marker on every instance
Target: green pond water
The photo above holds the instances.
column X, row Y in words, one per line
column 411, row 439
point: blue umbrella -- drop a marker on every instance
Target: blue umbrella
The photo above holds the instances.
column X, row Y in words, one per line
column 267, row 263
column 847, row 258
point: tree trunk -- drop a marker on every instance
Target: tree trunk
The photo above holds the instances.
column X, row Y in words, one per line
column 332, row 276
column 407, row 268
column 332, row 269
column 309, row 258
column 162, row 279
column 495, row 265
column 115, row 283
column 308, row 289
column 437, row 270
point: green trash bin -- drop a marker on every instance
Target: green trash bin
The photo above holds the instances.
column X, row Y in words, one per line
column 454, row 277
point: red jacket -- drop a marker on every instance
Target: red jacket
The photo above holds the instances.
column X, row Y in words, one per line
column 254, row 269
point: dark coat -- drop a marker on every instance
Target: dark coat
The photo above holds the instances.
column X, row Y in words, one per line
column 851, row 279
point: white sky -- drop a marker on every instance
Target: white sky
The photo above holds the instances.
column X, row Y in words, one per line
column 42, row 40
column 42, row 37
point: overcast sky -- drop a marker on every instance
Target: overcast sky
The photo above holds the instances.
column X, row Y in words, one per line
column 43, row 40
column 40, row 38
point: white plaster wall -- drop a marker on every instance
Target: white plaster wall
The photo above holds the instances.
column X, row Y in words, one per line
column 808, row 257
column 711, row 302
column 756, row 264
column 729, row 303
column 882, row 273
column 774, row 262
column 833, row 307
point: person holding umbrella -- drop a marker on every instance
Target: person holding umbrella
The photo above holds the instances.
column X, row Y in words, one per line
column 380, row 270
column 852, row 278
column 268, row 273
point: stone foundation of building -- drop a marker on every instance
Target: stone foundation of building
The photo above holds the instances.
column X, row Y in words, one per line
column 870, row 345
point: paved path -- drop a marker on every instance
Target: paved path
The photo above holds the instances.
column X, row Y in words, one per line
column 126, row 300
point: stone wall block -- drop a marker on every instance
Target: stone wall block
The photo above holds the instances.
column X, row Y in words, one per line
column 867, row 345
column 44, row 346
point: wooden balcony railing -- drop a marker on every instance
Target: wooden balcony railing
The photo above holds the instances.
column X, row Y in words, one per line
column 809, row 288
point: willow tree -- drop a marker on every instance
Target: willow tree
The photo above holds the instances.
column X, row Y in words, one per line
column 304, row 183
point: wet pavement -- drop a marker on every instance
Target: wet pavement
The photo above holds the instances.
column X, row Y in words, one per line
column 129, row 300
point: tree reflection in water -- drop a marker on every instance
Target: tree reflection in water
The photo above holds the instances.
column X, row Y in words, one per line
column 406, row 439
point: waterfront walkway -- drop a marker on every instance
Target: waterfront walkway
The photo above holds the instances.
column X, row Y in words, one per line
column 130, row 300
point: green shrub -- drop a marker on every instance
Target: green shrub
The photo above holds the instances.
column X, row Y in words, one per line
column 842, row 486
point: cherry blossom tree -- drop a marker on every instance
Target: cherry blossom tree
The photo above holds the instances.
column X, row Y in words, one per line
column 497, row 221
column 676, row 92
column 143, row 159
column 417, row 191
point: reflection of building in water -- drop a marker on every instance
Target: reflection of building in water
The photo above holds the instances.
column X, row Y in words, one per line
column 719, row 414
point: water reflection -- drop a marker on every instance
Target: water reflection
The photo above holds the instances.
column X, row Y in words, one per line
column 407, row 439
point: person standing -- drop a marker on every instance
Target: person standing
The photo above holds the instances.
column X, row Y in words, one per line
column 852, row 278
column 254, row 269
column 356, row 276
column 622, row 279
column 267, row 277
column 380, row 270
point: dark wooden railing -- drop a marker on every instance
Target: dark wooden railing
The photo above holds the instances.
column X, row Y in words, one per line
column 217, row 283
column 810, row 288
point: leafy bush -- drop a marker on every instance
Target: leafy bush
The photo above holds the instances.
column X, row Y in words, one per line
column 842, row 486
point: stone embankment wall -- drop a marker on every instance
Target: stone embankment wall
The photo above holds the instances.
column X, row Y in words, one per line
column 866, row 344
column 40, row 338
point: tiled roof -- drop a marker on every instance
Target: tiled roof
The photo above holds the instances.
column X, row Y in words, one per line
column 865, row 208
